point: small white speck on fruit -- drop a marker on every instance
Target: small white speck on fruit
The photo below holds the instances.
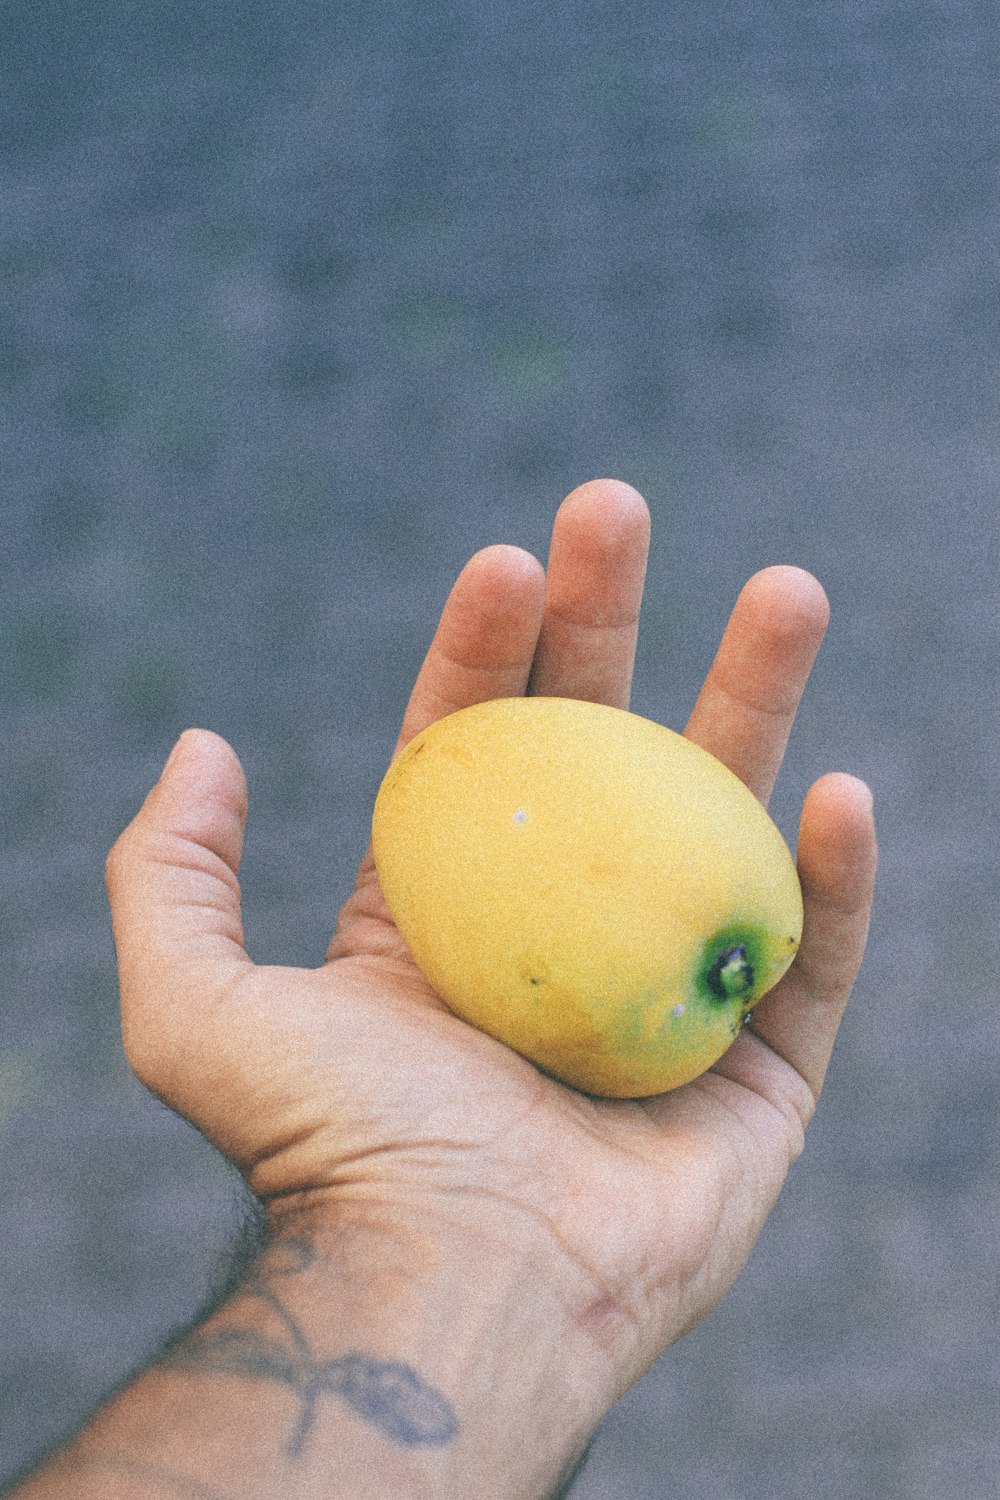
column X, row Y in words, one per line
column 520, row 816
column 678, row 1010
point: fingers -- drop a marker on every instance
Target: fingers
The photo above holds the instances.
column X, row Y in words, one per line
column 745, row 710
column 508, row 626
column 837, row 860
column 596, row 570
column 485, row 642
column 174, row 894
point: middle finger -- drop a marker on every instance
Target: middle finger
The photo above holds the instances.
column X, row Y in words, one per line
column 593, row 593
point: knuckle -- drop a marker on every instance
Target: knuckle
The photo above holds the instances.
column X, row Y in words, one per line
column 150, row 1050
column 140, row 1055
column 117, row 858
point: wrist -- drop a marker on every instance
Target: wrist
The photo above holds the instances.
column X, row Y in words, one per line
column 450, row 1338
column 434, row 1353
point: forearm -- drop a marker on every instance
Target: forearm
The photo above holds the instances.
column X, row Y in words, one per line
column 357, row 1359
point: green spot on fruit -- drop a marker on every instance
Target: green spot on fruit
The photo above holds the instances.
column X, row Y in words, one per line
column 731, row 975
column 734, row 967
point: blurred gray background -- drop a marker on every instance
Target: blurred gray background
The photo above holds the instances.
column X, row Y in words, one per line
column 303, row 303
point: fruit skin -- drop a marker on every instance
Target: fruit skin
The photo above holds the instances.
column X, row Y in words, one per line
column 570, row 878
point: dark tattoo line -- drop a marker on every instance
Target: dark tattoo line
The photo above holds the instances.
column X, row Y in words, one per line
column 285, row 1259
column 298, row 1338
column 176, row 1484
column 388, row 1395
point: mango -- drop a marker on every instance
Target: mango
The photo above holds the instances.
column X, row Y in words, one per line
column 586, row 886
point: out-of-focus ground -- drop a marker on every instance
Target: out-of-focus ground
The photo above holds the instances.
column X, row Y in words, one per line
column 302, row 304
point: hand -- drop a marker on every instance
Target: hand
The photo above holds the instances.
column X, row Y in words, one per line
column 351, row 1087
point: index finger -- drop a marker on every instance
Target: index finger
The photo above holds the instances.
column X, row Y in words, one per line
column 485, row 641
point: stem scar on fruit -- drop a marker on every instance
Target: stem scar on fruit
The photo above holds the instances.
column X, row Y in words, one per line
column 732, row 974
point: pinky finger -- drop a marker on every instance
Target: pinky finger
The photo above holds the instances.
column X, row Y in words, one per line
column 837, row 859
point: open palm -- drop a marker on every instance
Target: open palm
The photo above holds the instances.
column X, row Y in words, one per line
column 354, row 1082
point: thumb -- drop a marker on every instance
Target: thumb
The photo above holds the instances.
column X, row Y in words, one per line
column 175, row 906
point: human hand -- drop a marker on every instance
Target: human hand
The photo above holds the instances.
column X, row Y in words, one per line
column 351, row 1089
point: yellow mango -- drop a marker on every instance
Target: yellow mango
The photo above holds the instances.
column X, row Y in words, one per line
column 589, row 887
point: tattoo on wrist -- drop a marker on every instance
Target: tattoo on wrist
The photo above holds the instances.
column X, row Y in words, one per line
column 388, row 1395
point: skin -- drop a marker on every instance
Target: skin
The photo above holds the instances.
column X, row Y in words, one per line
column 466, row 1262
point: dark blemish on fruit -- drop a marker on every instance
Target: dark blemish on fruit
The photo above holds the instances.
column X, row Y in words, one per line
column 731, row 974
column 534, row 981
